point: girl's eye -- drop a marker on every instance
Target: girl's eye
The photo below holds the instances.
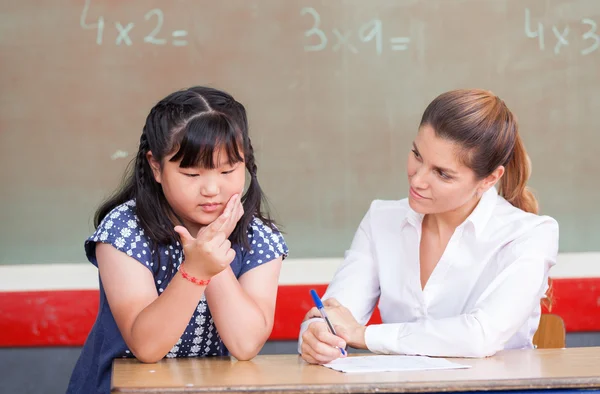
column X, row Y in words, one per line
column 191, row 175
column 227, row 172
column 416, row 153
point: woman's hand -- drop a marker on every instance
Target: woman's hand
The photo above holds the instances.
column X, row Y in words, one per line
column 319, row 346
column 344, row 323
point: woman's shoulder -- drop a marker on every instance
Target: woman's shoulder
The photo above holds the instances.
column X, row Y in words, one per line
column 507, row 215
column 523, row 231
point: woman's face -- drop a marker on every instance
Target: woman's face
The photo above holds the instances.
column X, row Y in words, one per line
column 439, row 182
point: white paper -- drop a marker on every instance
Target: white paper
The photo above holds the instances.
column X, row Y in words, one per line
column 391, row 364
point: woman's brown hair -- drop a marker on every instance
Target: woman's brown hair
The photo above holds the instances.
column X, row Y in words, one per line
column 481, row 123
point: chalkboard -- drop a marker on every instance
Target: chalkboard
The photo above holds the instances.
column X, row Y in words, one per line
column 334, row 92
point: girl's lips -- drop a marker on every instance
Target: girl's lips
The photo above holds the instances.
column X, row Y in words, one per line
column 210, row 207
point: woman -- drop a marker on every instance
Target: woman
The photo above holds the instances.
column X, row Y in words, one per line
column 459, row 268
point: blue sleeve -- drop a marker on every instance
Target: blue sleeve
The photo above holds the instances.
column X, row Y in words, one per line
column 266, row 244
column 121, row 229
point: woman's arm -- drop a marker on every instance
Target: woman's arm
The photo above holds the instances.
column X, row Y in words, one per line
column 355, row 285
column 243, row 310
column 501, row 310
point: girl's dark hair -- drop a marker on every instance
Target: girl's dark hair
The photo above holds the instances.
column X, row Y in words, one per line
column 481, row 123
column 193, row 124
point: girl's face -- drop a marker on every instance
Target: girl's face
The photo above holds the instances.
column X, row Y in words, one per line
column 439, row 182
column 199, row 195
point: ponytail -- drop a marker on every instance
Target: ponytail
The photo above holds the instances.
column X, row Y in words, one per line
column 513, row 185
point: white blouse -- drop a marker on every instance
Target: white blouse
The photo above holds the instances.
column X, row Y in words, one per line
column 483, row 296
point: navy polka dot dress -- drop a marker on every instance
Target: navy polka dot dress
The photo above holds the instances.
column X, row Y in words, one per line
column 121, row 229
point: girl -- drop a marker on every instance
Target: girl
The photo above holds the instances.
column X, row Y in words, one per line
column 458, row 268
column 188, row 264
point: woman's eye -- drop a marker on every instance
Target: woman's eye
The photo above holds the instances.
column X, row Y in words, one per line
column 443, row 175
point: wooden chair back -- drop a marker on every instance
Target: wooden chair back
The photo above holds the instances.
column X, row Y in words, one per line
column 550, row 333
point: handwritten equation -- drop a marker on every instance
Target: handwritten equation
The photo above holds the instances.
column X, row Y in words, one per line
column 339, row 39
column 371, row 31
column 154, row 17
column 561, row 35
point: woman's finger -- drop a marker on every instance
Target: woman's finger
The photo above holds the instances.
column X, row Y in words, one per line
column 308, row 358
column 318, row 337
column 331, row 302
column 320, row 352
column 320, row 332
column 313, row 312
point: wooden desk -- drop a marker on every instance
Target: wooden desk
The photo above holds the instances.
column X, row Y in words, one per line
column 508, row 370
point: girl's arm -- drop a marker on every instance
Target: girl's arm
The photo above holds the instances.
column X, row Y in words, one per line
column 243, row 310
column 149, row 324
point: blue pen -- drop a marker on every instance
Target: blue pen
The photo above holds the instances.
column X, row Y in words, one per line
column 321, row 309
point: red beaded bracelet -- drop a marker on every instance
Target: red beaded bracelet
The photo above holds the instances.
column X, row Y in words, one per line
column 194, row 280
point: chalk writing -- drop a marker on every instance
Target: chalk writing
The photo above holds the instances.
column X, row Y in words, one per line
column 160, row 18
column 372, row 31
column 592, row 35
column 123, row 33
column 119, row 154
column 314, row 30
column 345, row 39
column 98, row 25
column 123, row 30
column 589, row 40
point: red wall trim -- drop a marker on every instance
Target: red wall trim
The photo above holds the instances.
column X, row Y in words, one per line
column 63, row 318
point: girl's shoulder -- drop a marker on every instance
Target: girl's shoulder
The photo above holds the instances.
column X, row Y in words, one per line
column 121, row 223
column 121, row 229
column 266, row 244
column 259, row 233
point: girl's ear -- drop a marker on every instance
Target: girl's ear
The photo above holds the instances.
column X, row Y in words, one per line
column 155, row 165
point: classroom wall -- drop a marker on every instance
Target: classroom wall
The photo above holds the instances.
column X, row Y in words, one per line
column 326, row 84
column 334, row 91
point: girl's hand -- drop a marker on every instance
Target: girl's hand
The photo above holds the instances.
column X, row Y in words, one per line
column 237, row 211
column 210, row 252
